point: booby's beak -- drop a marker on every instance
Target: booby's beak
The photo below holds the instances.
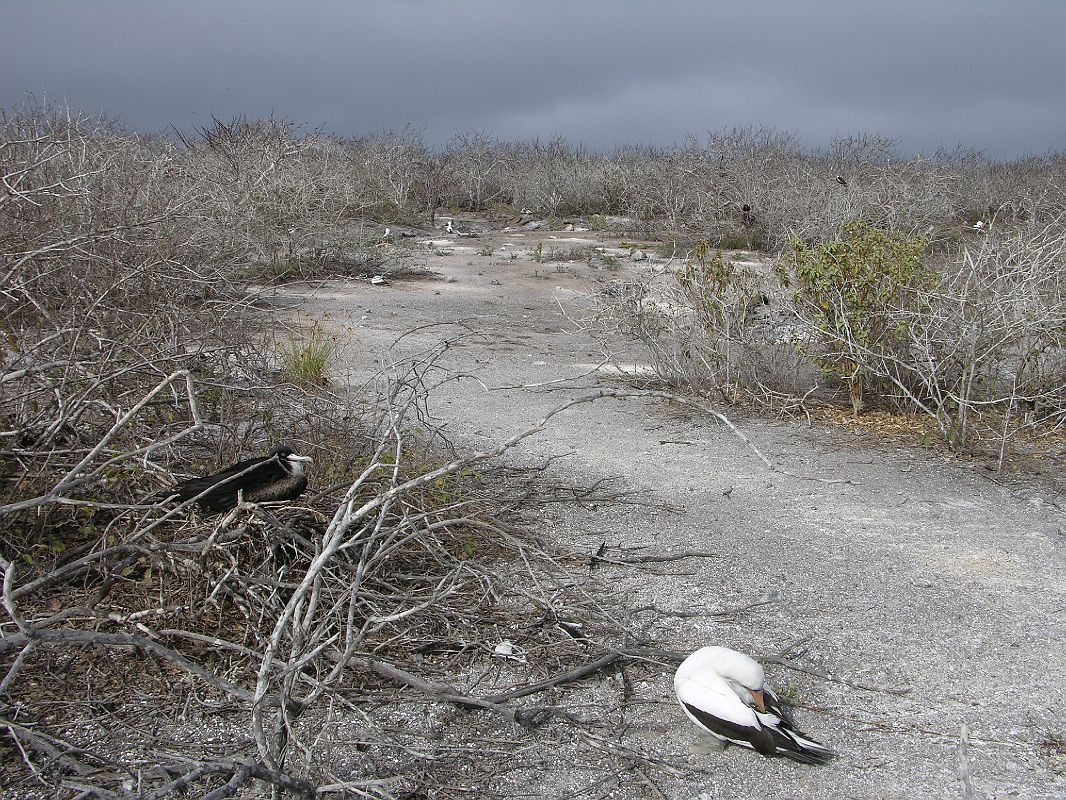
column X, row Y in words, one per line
column 295, row 457
column 760, row 702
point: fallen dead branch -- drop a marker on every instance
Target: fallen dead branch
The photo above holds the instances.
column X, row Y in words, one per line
column 697, row 404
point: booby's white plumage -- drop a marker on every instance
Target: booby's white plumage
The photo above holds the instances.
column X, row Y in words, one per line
column 725, row 693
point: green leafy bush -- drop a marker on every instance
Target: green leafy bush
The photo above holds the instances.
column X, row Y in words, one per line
column 850, row 289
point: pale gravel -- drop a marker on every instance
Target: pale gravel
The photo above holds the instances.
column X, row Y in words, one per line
column 924, row 573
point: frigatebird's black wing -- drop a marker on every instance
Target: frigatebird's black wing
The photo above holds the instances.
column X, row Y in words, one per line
column 219, row 491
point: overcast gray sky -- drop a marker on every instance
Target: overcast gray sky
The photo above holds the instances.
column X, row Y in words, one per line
column 982, row 73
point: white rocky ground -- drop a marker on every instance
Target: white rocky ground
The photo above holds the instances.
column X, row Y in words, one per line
column 920, row 574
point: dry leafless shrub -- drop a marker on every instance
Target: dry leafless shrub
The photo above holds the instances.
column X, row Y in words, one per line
column 284, row 621
column 478, row 161
column 555, row 178
column 267, row 188
column 985, row 354
column 709, row 328
column 105, row 290
column 973, row 340
column 698, row 191
column 133, row 635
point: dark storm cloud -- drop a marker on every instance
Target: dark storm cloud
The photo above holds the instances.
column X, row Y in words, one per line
column 985, row 74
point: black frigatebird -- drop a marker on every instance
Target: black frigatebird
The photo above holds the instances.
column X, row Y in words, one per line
column 279, row 475
column 841, row 181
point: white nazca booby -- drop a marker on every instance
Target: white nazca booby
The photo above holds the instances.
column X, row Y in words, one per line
column 725, row 693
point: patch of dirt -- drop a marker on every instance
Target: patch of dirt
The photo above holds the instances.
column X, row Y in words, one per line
column 920, row 574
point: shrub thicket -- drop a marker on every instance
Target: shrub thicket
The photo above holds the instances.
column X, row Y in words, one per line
column 133, row 348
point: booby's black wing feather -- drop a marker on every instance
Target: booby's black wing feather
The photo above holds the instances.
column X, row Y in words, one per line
column 774, row 735
column 788, row 741
column 775, row 706
column 759, row 739
column 798, row 747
